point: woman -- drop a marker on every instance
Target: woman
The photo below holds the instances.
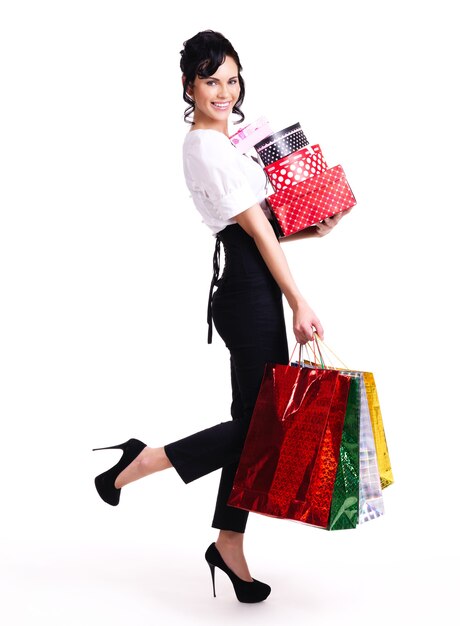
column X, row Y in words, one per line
column 229, row 191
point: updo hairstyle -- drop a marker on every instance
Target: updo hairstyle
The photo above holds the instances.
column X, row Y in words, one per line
column 202, row 55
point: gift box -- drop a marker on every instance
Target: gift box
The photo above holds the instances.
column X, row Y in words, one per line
column 296, row 167
column 312, row 200
column 249, row 135
column 280, row 144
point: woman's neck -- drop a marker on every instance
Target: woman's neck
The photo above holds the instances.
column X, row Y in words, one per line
column 203, row 123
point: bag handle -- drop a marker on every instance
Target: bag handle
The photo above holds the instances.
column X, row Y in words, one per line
column 321, row 343
column 313, row 348
column 319, row 354
column 300, row 354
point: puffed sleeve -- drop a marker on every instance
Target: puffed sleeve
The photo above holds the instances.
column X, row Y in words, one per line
column 211, row 167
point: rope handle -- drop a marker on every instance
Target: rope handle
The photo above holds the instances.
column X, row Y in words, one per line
column 318, row 341
column 313, row 348
column 320, row 354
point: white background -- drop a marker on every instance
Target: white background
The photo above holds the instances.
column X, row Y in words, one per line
column 105, row 268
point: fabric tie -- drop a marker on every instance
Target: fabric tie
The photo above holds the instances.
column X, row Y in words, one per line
column 214, row 281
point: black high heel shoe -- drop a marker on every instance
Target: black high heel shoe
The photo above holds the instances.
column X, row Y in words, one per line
column 245, row 591
column 105, row 483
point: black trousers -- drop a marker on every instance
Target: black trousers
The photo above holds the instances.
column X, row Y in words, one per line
column 247, row 311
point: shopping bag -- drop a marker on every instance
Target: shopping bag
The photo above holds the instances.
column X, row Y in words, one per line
column 372, row 478
column 344, row 512
column 370, row 488
column 289, row 461
column 357, row 494
column 383, row 457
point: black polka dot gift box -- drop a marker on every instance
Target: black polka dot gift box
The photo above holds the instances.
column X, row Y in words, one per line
column 314, row 199
column 280, row 144
column 296, row 167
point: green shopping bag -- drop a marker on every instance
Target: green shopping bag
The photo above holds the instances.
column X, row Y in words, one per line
column 344, row 511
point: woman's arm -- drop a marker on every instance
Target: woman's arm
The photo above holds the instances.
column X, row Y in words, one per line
column 255, row 223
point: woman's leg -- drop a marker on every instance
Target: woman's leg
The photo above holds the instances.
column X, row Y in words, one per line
column 261, row 338
column 149, row 461
column 230, row 546
column 230, row 520
column 255, row 338
column 229, row 517
column 192, row 457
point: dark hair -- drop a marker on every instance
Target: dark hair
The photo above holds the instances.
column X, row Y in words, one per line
column 202, row 55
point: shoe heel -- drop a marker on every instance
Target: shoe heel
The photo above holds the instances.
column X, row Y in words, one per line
column 119, row 447
column 105, row 482
column 245, row 591
column 122, row 446
column 213, row 572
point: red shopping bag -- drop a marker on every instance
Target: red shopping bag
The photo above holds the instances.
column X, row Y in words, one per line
column 288, row 465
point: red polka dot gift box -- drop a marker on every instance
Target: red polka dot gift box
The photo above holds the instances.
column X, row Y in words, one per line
column 314, row 199
column 296, row 167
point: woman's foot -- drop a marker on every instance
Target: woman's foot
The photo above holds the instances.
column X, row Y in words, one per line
column 149, row 461
column 247, row 591
column 230, row 547
column 137, row 461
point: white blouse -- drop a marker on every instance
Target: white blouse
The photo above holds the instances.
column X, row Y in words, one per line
column 222, row 181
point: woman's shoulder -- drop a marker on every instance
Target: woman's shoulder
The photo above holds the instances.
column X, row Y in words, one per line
column 207, row 141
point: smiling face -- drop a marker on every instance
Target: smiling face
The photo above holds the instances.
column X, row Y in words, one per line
column 215, row 96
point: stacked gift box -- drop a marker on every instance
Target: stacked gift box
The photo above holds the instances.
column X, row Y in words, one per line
column 306, row 190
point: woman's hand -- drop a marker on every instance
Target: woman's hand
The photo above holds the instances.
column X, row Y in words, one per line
column 325, row 227
column 306, row 323
column 318, row 230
